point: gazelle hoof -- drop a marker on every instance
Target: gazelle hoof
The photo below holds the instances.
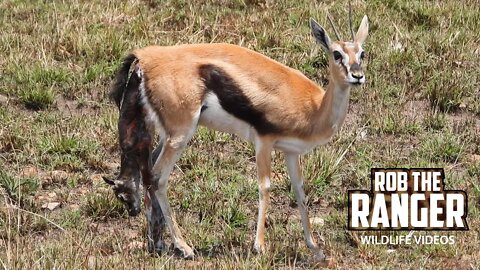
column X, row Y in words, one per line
column 185, row 251
column 259, row 249
column 318, row 256
column 157, row 248
column 327, row 262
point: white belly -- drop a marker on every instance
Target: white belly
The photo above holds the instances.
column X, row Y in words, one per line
column 215, row 117
column 296, row 146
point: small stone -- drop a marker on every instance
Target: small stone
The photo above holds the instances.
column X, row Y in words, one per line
column 317, row 221
column 51, row 205
column 324, row 203
column 3, row 100
column 59, row 176
column 397, row 46
column 363, row 134
column 29, row 171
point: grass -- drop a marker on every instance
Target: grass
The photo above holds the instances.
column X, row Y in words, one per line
column 446, row 147
column 101, row 206
column 19, row 190
column 420, row 108
column 37, row 99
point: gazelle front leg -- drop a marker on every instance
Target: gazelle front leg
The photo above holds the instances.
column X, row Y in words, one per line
column 263, row 150
column 172, row 150
column 295, row 173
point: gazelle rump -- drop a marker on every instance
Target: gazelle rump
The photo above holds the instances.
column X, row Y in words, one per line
column 232, row 89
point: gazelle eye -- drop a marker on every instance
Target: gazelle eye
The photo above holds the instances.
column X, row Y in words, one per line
column 337, row 56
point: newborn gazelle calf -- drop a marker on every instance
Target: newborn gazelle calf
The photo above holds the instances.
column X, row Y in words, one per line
column 231, row 89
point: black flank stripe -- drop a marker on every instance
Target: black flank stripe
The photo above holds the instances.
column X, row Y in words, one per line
column 233, row 100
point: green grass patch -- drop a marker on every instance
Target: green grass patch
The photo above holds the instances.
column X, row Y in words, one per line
column 19, row 190
column 442, row 147
column 103, row 206
column 37, row 98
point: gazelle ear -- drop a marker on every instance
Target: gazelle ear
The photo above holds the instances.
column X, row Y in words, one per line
column 114, row 183
column 108, row 181
column 320, row 35
column 362, row 32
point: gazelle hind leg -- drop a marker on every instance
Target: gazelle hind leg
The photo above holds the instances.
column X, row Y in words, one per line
column 173, row 147
column 263, row 149
column 295, row 173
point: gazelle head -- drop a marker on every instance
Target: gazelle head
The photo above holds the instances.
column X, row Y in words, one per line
column 126, row 186
column 346, row 58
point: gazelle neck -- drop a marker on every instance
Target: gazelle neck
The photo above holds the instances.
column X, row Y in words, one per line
column 333, row 108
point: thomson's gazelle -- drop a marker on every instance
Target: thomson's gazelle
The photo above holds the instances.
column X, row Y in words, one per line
column 231, row 89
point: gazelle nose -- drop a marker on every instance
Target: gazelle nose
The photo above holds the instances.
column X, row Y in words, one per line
column 356, row 71
column 357, row 75
column 134, row 211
